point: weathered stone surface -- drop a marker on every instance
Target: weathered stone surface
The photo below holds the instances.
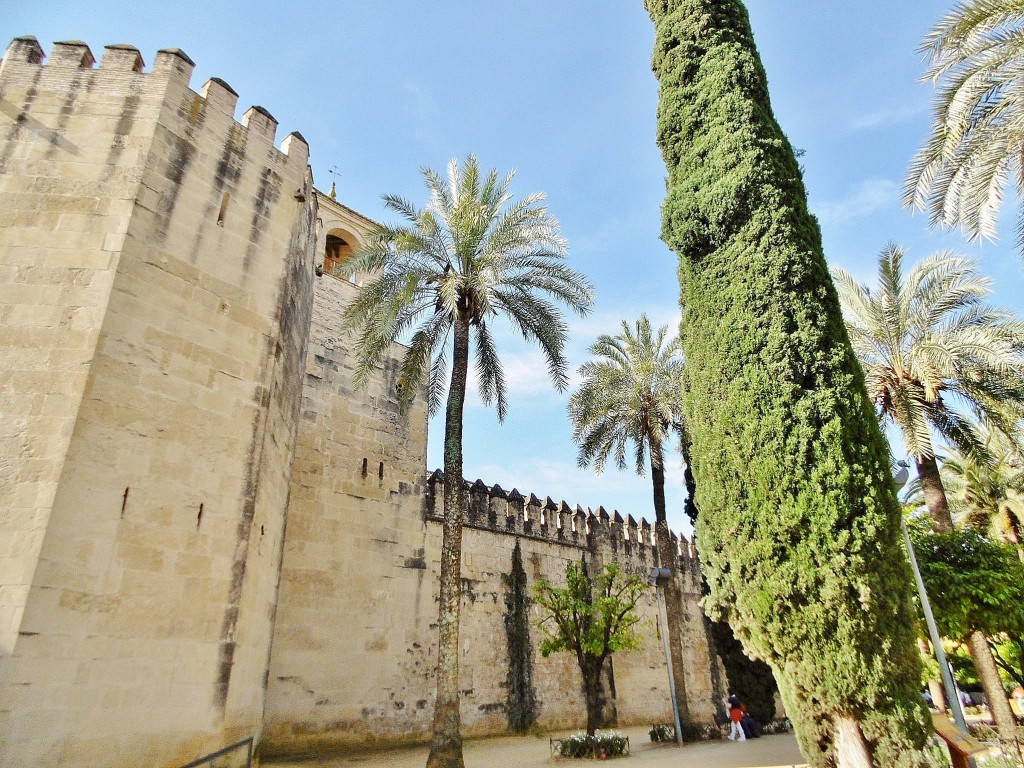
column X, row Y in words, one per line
column 151, row 377
column 207, row 532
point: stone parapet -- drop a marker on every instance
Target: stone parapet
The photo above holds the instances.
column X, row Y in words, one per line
column 491, row 508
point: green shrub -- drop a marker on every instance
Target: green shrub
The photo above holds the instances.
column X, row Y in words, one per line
column 663, row 732
column 602, row 744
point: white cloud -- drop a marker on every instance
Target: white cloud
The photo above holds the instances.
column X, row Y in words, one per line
column 884, row 117
column 526, row 375
column 867, row 197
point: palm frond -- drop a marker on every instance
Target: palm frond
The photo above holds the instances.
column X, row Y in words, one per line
column 631, row 394
column 932, row 350
column 470, row 254
column 489, row 371
column 975, row 56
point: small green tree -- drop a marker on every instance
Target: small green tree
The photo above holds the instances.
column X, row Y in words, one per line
column 974, row 583
column 976, row 587
column 592, row 618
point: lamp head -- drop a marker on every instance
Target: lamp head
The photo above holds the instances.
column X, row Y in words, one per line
column 902, row 474
column 659, row 576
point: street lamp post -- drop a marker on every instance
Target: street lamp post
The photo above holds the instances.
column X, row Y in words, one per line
column 947, row 678
column 659, row 578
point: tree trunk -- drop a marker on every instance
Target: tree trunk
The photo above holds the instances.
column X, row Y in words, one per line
column 851, row 748
column 981, row 654
column 934, row 493
column 988, row 673
column 673, row 593
column 690, row 507
column 591, row 669
column 446, row 746
column 934, row 686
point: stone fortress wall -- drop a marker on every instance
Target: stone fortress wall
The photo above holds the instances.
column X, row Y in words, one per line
column 207, row 532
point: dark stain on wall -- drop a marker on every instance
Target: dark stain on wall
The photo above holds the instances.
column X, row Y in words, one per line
column 267, row 194
column 179, row 157
column 226, row 175
column 125, row 121
column 283, row 362
column 19, row 120
column 522, row 707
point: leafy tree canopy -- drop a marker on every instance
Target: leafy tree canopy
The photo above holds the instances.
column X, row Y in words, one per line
column 593, row 618
column 590, row 618
column 973, row 583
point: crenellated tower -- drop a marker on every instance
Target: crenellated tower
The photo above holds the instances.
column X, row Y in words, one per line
column 157, row 262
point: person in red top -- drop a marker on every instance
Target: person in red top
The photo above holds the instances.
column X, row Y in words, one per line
column 736, row 719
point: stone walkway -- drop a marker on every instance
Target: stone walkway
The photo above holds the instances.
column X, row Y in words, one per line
column 779, row 751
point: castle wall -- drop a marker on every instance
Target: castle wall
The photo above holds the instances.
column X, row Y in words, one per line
column 207, row 530
column 355, row 643
column 356, row 595
column 69, row 174
column 158, row 265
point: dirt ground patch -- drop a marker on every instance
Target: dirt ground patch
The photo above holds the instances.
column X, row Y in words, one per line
column 779, row 751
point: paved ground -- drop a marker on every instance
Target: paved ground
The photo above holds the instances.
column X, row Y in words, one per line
column 779, row 751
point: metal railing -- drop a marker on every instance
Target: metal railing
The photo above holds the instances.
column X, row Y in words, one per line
column 210, row 760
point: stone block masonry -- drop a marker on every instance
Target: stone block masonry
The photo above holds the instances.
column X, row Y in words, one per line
column 355, row 641
column 207, row 531
column 157, row 264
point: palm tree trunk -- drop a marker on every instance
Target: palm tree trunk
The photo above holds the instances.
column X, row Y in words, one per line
column 934, row 492
column 446, row 747
column 988, row 673
column 688, row 479
column 673, row 593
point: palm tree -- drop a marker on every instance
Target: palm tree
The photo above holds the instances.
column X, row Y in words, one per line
column 632, row 395
column 988, row 495
column 926, row 343
column 976, row 59
column 470, row 255
column 929, row 348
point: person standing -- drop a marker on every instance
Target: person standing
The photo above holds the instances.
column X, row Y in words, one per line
column 736, row 719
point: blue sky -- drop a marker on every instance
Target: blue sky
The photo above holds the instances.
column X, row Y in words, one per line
column 563, row 92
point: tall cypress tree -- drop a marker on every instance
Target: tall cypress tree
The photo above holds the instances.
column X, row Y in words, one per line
column 799, row 527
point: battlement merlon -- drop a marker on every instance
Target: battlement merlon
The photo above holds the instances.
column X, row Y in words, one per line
column 71, row 53
column 25, row 57
column 509, row 512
